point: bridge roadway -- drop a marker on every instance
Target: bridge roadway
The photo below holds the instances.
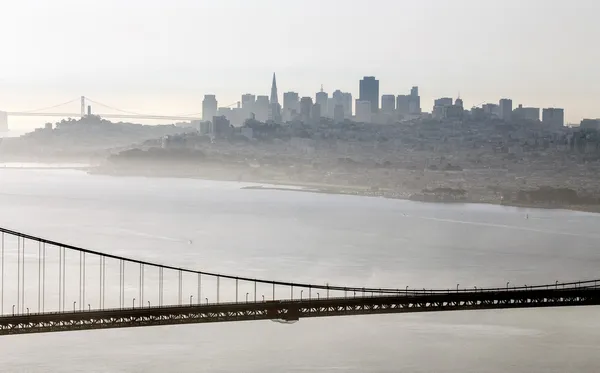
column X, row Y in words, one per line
column 291, row 310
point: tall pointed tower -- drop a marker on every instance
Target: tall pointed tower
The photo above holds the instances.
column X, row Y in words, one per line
column 274, row 99
column 274, row 107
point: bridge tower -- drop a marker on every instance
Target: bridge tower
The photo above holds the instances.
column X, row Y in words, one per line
column 82, row 106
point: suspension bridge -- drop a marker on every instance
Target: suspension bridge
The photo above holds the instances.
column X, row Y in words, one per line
column 85, row 109
column 48, row 286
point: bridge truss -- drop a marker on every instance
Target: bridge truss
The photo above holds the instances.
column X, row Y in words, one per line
column 48, row 286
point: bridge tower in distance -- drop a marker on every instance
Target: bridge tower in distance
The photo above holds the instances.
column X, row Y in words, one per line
column 82, row 106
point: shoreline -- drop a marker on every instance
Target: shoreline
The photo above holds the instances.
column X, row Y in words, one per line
column 322, row 188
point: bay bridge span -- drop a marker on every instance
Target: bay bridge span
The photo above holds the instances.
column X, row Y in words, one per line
column 48, row 286
column 85, row 109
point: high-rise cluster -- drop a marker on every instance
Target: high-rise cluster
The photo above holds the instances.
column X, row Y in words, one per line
column 370, row 107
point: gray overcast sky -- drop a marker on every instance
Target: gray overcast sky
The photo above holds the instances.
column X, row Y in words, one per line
column 161, row 56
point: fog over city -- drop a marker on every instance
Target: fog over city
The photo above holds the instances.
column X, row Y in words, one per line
column 350, row 170
column 156, row 56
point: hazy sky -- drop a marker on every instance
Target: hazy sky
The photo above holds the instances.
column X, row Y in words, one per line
column 162, row 56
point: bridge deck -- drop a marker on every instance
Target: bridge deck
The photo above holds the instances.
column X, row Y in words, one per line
column 295, row 309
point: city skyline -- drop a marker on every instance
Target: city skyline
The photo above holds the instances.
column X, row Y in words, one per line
column 146, row 59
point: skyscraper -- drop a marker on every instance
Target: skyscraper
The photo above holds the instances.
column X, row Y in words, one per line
column 369, row 91
column 414, row 105
column 505, row 106
column 363, row 111
column 403, row 104
column 553, row 117
column 209, row 107
column 344, row 99
column 388, row 103
column 248, row 101
column 274, row 98
column 321, row 100
column 306, row 105
column 291, row 105
column 274, row 107
column 247, row 105
column 261, row 108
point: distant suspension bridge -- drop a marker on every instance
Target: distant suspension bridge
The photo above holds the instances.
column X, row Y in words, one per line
column 85, row 109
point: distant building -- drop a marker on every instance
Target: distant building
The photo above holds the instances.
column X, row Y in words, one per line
column 369, row 91
column 459, row 102
column 505, row 109
column 209, row 107
column 261, row 108
column 363, row 111
column 415, row 101
column 291, row 105
column 321, row 99
column 590, row 124
column 220, row 126
column 388, row 104
column 274, row 107
column 439, row 106
column 315, row 114
column 403, row 104
column 338, row 113
column 455, row 112
column 344, row 99
column 306, row 105
column 330, row 108
column 248, row 101
column 553, row 117
column 526, row 114
column 491, row 110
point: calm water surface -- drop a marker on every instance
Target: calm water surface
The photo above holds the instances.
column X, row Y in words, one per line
column 312, row 238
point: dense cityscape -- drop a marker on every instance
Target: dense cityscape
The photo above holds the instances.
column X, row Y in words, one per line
column 370, row 107
column 383, row 145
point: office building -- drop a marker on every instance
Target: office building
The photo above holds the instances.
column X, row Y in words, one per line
column 505, row 109
column 338, row 113
column 521, row 113
column 321, row 99
column 388, row 104
column 261, row 108
column 221, row 126
column 491, row 110
column 274, row 107
column 415, row 101
column 369, row 91
column 344, row 99
column 209, row 107
column 590, row 124
column 363, row 111
column 403, row 104
column 306, row 104
column 291, row 105
column 248, row 101
column 315, row 114
column 553, row 117
column 439, row 106
column 330, row 108
column 414, row 91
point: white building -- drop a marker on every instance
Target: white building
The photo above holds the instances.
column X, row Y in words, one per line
column 363, row 111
